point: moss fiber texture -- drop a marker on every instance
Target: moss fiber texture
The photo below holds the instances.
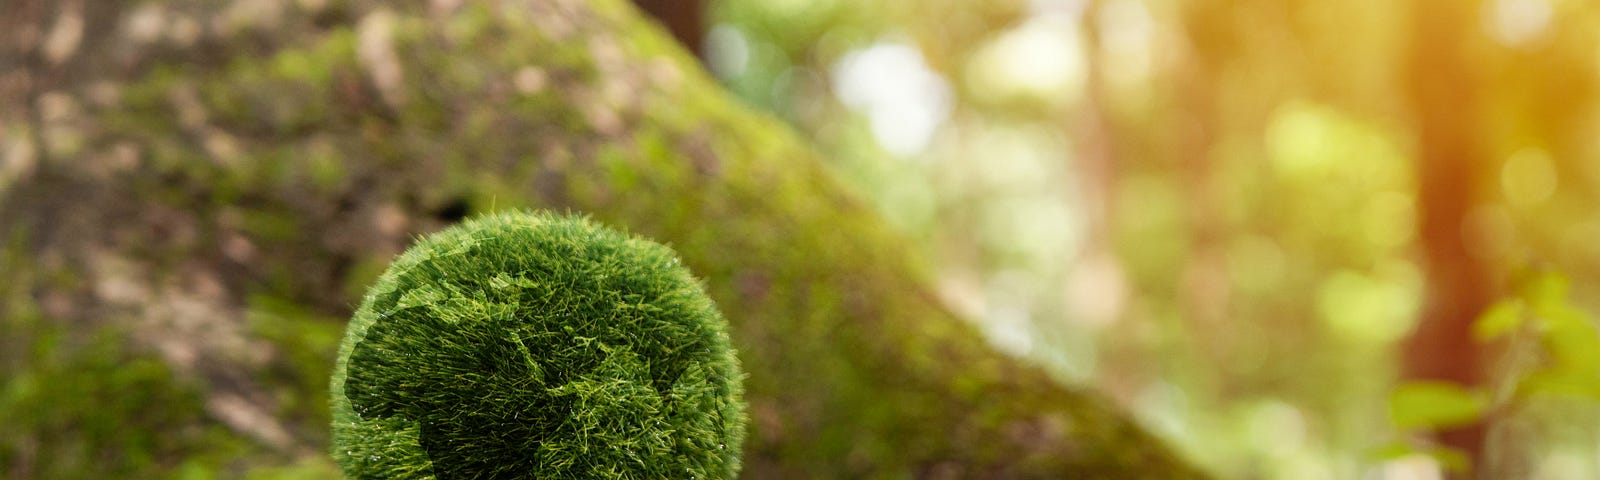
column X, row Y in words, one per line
column 532, row 345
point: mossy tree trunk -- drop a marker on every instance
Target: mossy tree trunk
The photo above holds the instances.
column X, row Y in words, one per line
column 220, row 182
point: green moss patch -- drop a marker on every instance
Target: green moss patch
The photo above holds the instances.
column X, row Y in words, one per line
column 526, row 345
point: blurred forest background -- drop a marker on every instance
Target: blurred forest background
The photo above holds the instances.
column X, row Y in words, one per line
column 1294, row 239
column 1268, row 228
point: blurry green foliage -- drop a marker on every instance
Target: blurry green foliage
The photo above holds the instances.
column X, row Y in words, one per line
column 1551, row 351
column 1430, row 405
column 1205, row 207
column 1556, row 344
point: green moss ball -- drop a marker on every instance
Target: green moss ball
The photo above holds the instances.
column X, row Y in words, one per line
column 532, row 345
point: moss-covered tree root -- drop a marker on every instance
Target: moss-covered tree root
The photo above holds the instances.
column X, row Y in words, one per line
column 226, row 177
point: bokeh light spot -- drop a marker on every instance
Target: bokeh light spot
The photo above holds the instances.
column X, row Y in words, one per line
column 1528, row 178
column 904, row 100
column 1041, row 60
column 1390, row 219
column 1369, row 309
column 1517, row 22
column 727, row 51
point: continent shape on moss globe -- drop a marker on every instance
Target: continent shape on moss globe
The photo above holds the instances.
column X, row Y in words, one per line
column 535, row 345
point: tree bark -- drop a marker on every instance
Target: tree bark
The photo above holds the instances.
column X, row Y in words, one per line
column 222, row 182
column 686, row 19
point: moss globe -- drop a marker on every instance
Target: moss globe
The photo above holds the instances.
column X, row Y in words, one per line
column 533, row 345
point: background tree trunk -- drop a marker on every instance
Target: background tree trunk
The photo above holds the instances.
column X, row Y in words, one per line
column 215, row 187
column 686, row 19
column 1444, row 92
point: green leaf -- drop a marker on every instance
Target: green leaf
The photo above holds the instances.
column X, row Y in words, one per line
column 1453, row 459
column 1546, row 291
column 1564, row 382
column 1392, row 451
column 1500, row 319
column 1574, row 346
column 1435, row 405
